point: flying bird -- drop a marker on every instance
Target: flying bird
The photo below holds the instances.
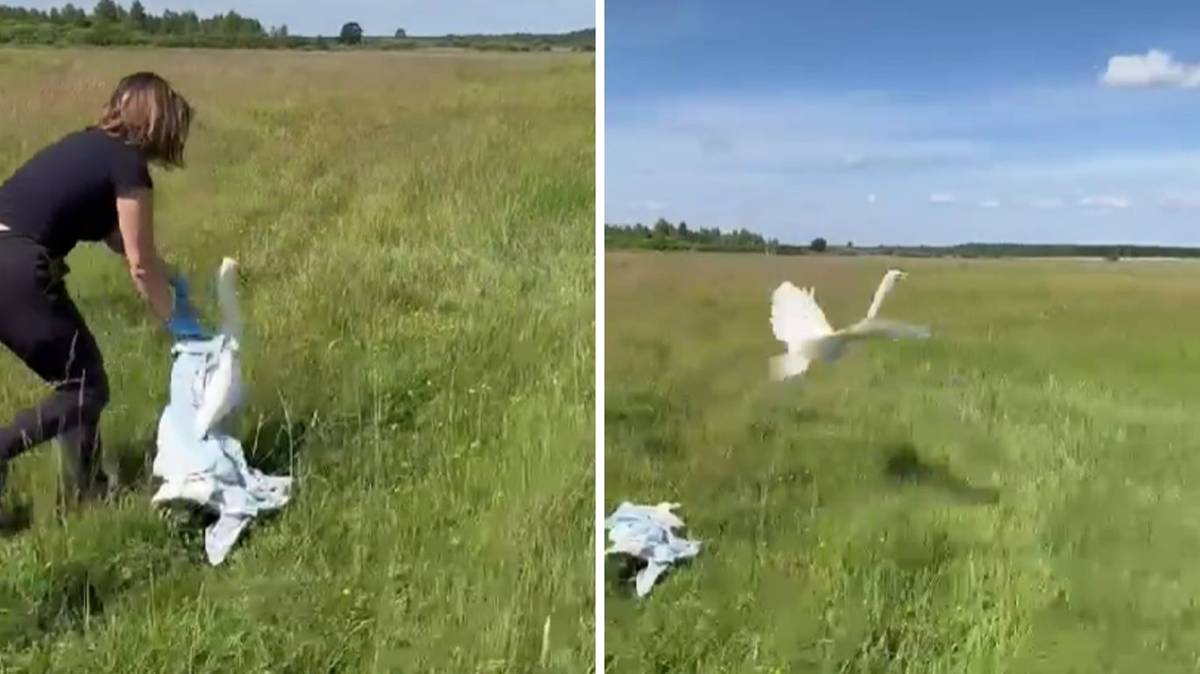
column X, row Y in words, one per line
column 798, row 321
column 223, row 390
column 885, row 288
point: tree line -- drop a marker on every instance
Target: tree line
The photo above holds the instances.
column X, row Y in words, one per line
column 665, row 235
column 110, row 23
column 1109, row 251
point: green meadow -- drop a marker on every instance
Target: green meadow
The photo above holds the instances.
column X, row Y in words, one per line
column 416, row 237
column 1017, row 494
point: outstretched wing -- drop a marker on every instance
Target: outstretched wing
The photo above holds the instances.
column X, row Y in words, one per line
column 795, row 315
column 787, row 365
column 877, row 327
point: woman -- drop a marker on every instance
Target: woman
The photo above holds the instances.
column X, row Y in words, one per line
column 92, row 185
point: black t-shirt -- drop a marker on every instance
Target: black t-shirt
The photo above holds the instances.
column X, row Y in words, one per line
column 67, row 193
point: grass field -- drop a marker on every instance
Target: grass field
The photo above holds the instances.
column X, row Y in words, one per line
column 416, row 232
column 1018, row 494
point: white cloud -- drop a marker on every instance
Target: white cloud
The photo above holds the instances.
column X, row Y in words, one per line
column 989, row 203
column 762, row 158
column 1155, row 68
column 942, row 198
column 651, row 205
column 1104, row 201
column 871, row 198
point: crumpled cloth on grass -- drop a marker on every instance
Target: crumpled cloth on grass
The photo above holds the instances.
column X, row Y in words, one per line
column 648, row 533
column 208, row 470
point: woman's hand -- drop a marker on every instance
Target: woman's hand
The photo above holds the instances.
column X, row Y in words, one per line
column 183, row 323
column 135, row 221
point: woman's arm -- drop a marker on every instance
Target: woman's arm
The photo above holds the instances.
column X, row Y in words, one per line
column 135, row 220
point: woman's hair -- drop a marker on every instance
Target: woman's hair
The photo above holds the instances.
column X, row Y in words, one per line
column 147, row 113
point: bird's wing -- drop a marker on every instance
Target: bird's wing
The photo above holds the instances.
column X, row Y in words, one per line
column 885, row 287
column 827, row 349
column 795, row 315
column 786, row 365
column 876, row 327
column 231, row 317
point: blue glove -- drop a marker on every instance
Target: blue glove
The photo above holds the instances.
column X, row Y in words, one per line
column 183, row 324
column 180, row 285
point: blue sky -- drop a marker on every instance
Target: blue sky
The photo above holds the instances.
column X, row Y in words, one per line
column 925, row 121
column 379, row 17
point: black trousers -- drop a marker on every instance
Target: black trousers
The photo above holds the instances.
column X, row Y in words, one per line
column 41, row 325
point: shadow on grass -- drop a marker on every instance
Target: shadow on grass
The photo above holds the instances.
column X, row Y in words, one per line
column 276, row 442
column 66, row 599
column 15, row 518
column 905, row 467
column 649, row 419
column 130, row 463
column 620, row 572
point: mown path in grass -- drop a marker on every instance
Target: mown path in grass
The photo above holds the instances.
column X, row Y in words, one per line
column 1015, row 495
column 415, row 232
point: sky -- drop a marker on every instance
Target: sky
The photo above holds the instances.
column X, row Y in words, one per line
column 924, row 121
column 380, row 17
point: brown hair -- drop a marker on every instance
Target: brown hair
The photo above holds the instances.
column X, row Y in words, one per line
column 147, row 113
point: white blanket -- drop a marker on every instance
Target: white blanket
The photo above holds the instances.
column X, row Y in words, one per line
column 199, row 463
column 648, row 533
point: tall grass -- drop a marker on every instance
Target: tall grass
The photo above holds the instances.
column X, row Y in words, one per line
column 415, row 236
column 1015, row 495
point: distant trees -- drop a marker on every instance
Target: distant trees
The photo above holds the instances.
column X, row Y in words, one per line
column 137, row 16
column 107, row 22
column 72, row 15
column 664, row 235
column 107, row 10
column 126, row 25
column 352, row 33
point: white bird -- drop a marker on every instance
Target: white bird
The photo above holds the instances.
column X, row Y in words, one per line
column 885, row 288
column 798, row 321
column 231, row 316
column 223, row 382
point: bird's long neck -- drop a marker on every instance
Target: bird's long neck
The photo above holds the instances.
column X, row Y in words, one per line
column 231, row 317
column 881, row 292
